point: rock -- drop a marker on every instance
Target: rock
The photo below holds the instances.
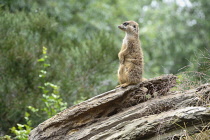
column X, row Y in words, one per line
column 142, row 111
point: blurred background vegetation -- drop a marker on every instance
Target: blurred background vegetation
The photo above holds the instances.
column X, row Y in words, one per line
column 83, row 42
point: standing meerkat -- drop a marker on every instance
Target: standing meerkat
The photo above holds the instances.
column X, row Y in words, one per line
column 131, row 57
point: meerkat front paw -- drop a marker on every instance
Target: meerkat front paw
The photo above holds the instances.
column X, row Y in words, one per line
column 122, row 61
column 121, row 58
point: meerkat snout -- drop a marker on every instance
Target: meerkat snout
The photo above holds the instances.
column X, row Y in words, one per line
column 121, row 27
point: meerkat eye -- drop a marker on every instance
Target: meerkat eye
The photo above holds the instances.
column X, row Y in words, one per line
column 125, row 23
column 134, row 26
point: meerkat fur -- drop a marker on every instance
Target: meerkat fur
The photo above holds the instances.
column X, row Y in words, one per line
column 130, row 56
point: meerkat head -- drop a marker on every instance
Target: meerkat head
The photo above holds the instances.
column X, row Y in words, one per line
column 130, row 27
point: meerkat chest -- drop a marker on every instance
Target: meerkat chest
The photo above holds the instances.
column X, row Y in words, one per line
column 130, row 43
column 125, row 41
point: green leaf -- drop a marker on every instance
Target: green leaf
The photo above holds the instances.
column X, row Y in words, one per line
column 41, row 60
column 13, row 129
column 46, row 65
column 44, row 49
column 43, row 71
column 33, row 109
column 20, row 126
column 42, row 76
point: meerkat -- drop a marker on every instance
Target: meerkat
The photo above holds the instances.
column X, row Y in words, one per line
column 130, row 56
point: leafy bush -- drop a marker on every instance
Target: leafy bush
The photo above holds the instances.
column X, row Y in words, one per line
column 52, row 103
column 20, row 40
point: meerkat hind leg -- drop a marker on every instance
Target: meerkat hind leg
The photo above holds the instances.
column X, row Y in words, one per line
column 118, row 86
column 125, row 85
column 132, row 78
column 144, row 79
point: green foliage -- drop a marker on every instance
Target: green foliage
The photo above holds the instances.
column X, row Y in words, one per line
column 53, row 102
column 6, row 137
column 19, row 43
column 176, row 36
column 22, row 130
column 83, row 42
column 80, row 100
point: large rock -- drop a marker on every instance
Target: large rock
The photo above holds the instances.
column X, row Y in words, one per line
column 142, row 111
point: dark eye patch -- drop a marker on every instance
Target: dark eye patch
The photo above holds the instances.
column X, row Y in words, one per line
column 134, row 26
column 125, row 23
